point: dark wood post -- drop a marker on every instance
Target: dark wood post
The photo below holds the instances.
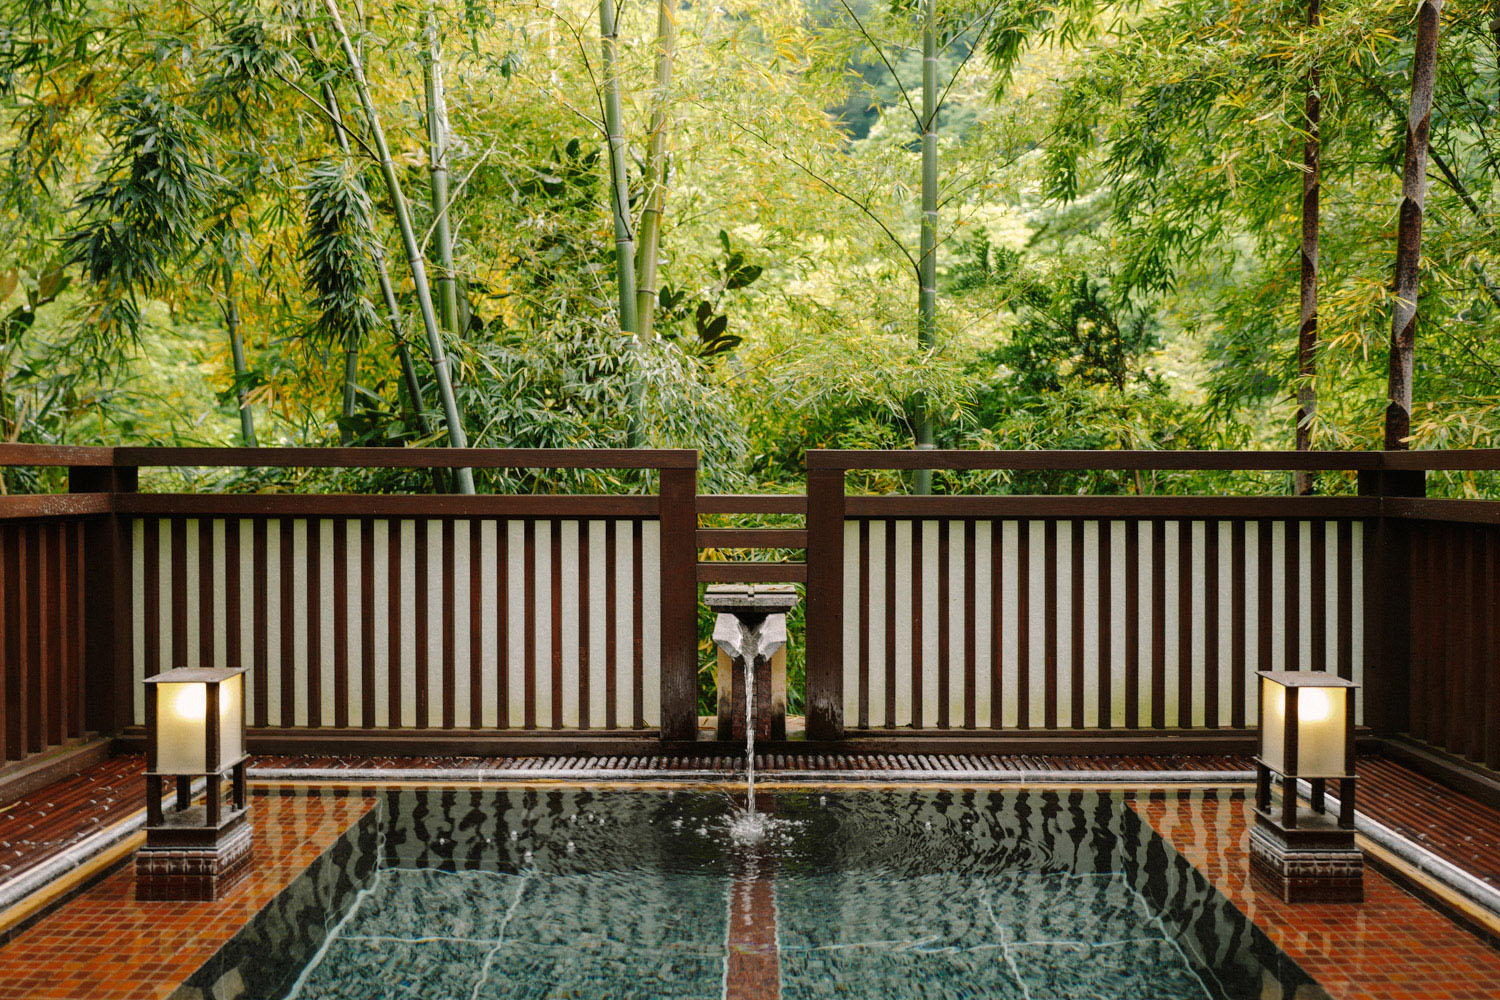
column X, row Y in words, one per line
column 108, row 628
column 1409, row 227
column 1307, row 329
column 825, row 603
column 679, row 604
column 1387, row 604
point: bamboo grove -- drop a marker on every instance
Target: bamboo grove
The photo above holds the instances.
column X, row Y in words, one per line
column 753, row 228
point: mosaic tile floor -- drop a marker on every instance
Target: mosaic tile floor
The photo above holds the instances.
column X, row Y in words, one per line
column 105, row 944
column 1389, row 947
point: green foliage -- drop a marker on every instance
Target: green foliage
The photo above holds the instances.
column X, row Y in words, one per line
column 336, row 251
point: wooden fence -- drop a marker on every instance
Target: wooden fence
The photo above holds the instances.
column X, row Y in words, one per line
column 549, row 623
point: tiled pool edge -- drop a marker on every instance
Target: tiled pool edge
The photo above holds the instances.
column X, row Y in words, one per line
column 329, row 886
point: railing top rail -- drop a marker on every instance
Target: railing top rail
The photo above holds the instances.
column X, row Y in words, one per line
column 358, row 458
column 1192, row 461
column 55, row 454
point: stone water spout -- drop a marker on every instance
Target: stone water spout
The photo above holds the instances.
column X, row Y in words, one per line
column 750, row 631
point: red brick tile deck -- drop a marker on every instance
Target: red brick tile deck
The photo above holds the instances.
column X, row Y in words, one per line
column 1459, row 829
column 51, row 819
column 1390, row 947
column 105, row 945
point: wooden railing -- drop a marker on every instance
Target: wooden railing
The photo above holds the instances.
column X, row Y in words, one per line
column 531, row 623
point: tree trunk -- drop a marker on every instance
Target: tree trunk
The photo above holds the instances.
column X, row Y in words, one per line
column 437, row 164
column 237, row 351
column 1409, row 230
column 456, row 436
column 1307, row 327
column 927, row 263
column 656, row 171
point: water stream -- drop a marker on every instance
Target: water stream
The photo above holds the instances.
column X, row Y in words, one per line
column 749, row 826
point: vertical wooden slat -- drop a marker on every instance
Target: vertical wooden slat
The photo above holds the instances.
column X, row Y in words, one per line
column 394, row 626
column 8, row 702
column 585, row 644
column 825, row 604
column 944, row 666
column 997, row 620
column 79, row 556
column 314, row 563
column 1474, row 614
column 678, row 610
column 420, row 584
column 1458, row 570
column 476, row 626
column 1159, row 624
column 259, row 613
column 1241, row 663
column 1419, row 569
column 151, row 594
column 208, row 584
column 1211, row 623
column 1105, row 605
column 1076, row 626
column 32, row 695
column 917, row 666
column 1294, row 614
column 1491, row 611
column 554, row 583
column 638, row 648
column 890, row 624
column 180, row 656
column 49, row 672
column 341, row 622
column 367, row 585
column 1318, row 596
column 864, row 625
column 1132, row 624
column 1023, row 624
column 1184, row 623
column 528, row 621
column 502, row 623
column 971, row 685
column 234, row 653
column 287, row 622
column 449, row 661
column 611, row 623
column 1263, row 594
column 1345, row 597
column 1049, row 618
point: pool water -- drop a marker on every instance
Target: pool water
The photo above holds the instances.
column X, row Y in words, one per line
column 615, row 894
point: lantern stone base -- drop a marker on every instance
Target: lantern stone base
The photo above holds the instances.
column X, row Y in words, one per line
column 1301, row 869
column 182, row 873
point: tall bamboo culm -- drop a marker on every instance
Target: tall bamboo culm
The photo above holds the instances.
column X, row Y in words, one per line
column 1409, row 227
column 1307, row 326
column 438, row 142
column 927, row 262
column 648, row 250
column 456, row 436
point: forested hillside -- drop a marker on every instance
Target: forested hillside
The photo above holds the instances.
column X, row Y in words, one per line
column 671, row 224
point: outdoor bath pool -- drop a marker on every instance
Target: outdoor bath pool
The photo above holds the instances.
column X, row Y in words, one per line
column 610, row 894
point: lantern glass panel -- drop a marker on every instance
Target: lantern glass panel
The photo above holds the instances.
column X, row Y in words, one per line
column 181, row 726
column 1321, row 722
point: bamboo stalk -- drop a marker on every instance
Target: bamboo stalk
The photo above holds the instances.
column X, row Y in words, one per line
column 927, row 261
column 437, row 165
column 237, row 352
column 456, row 436
column 619, row 203
column 1409, row 230
column 387, row 292
column 1307, row 327
column 648, row 251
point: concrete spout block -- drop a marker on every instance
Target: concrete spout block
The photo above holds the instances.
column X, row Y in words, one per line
column 750, row 633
